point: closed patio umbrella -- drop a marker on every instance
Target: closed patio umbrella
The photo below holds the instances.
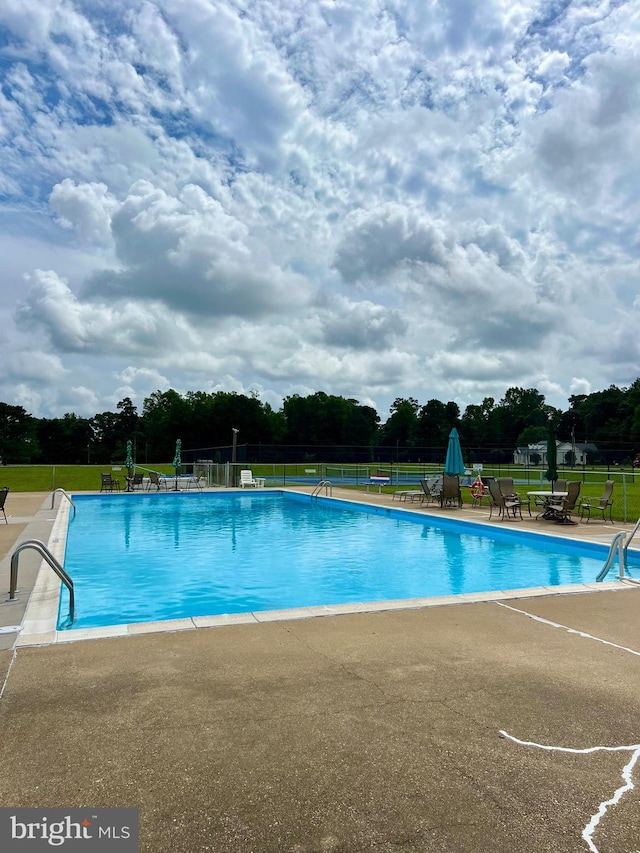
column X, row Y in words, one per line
column 177, row 460
column 454, row 463
column 551, row 473
column 128, row 464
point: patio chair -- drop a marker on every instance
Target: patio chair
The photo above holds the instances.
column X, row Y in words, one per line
column 598, row 504
column 246, row 479
column 108, row 483
column 135, row 481
column 505, row 507
column 561, row 513
column 509, row 492
column 4, row 491
column 156, row 480
column 195, row 481
column 506, row 487
column 450, row 494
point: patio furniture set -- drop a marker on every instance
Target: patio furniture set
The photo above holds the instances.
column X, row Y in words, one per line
column 558, row 504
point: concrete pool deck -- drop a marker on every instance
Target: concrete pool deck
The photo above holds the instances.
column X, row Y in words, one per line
column 374, row 731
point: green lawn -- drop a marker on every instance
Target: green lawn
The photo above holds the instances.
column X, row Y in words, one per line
column 46, row 478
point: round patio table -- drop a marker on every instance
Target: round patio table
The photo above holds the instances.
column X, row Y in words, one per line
column 547, row 496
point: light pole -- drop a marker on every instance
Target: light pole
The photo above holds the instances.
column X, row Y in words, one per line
column 234, row 446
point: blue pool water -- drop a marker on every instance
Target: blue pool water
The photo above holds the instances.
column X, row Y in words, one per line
column 143, row 558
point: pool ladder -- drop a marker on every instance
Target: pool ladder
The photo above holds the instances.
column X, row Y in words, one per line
column 46, row 554
column 620, row 542
column 64, row 494
column 323, row 484
column 617, row 544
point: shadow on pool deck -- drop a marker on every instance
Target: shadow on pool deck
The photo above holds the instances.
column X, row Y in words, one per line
column 367, row 732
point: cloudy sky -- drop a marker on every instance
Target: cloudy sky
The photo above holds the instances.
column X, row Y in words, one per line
column 371, row 198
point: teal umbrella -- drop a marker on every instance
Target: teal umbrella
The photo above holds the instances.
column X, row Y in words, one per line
column 551, row 473
column 454, row 463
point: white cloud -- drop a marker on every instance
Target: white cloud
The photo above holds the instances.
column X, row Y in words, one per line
column 85, row 207
column 375, row 199
column 579, row 385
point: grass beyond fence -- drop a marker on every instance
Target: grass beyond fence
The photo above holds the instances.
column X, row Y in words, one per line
column 46, row 478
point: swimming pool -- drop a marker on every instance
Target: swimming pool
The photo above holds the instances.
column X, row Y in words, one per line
column 140, row 558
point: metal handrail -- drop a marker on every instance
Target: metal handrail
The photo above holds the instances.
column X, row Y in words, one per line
column 628, row 542
column 62, row 491
column 46, row 554
column 616, row 543
column 327, row 485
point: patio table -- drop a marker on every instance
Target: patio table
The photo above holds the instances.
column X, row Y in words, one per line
column 549, row 498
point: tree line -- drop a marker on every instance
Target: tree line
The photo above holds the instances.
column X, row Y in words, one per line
column 489, row 431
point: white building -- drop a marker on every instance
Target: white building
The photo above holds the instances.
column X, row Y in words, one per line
column 536, row 454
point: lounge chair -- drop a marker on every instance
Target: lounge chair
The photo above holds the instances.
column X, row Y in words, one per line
column 598, row 504
column 431, row 488
column 451, row 494
column 3, row 497
column 506, row 507
column 408, row 494
column 108, row 483
column 246, row 479
column 561, row 513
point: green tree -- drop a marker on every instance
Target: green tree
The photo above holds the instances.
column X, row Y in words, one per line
column 400, row 428
column 518, row 409
column 65, row 440
column 605, row 417
column 237, row 411
column 323, row 419
column 475, row 429
column 434, row 424
column 531, row 435
column 105, row 428
column 165, row 417
column 18, row 439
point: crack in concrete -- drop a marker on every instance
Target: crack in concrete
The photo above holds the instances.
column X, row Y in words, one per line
column 587, row 832
column 567, row 629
